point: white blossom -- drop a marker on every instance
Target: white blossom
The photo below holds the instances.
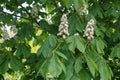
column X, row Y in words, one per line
column 89, row 31
column 63, row 27
column 5, row 34
column 9, row 32
column 83, row 10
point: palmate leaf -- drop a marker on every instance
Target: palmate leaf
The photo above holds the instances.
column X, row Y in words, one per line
column 66, row 63
column 91, row 64
column 75, row 24
column 15, row 63
column 96, row 10
column 116, row 51
column 80, row 44
column 52, row 67
column 105, row 71
column 23, row 50
column 98, row 64
column 27, row 30
column 47, row 47
column 78, row 64
column 100, row 45
column 76, row 42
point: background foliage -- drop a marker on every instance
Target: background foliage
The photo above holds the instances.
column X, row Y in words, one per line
column 73, row 58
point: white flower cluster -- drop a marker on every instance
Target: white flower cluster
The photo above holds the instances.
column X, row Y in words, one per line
column 89, row 31
column 9, row 32
column 83, row 10
column 34, row 12
column 63, row 27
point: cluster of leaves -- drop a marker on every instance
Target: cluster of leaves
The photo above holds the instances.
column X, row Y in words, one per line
column 73, row 58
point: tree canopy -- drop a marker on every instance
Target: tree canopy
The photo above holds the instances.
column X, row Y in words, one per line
column 60, row 39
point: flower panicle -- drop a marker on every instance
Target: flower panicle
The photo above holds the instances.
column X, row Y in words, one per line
column 89, row 31
column 63, row 27
column 8, row 33
column 83, row 10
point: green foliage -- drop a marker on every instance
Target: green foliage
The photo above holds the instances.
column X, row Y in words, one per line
column 76, row 42
column 4, row 66
column 91, row 65
column 78, row 4
column 47, row 47
column 13, row 62
column 51, row 67
column 116, row 51
column 37, row 53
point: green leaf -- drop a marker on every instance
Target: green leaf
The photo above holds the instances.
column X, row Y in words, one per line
column 78, row 4
column 62, row 65
column 2, row 57
column 72, row 44
column 98, row 32
column 78, row 64
column 61, row 55
column 91, row 64
column 75, row 24
column 51, row 67
column 80, row 44
column 4, row 66
column 54, row 67
column 84, row 75
column 48, row 45
column 115, row 51
column 105, row 71
column 69, row 3
column 100, row 45
column 15, row 64
column 69, row 72
column 96, row 10
column 27, row 31
column 23, row 50
column 44, row 68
